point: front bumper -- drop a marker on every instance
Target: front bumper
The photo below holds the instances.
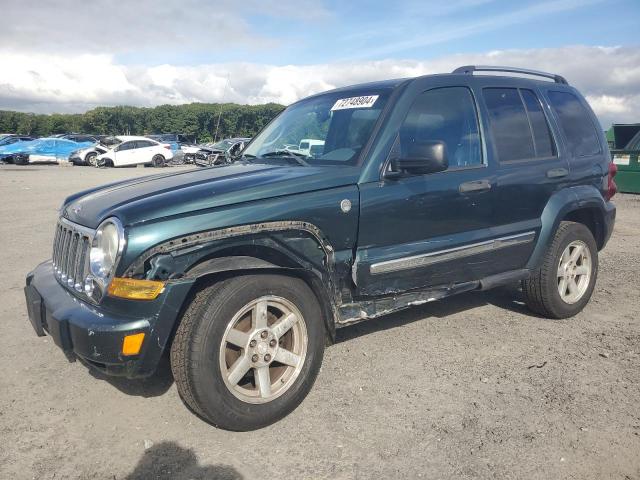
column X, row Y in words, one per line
column 95, row 334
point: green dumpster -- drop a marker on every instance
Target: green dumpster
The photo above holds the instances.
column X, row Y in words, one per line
column 624, row 142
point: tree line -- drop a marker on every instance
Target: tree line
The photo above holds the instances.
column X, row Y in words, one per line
column 204, row 121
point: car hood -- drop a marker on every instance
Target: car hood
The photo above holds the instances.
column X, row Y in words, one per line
column 165, row 195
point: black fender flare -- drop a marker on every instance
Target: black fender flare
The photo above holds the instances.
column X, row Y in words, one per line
column 561, row 204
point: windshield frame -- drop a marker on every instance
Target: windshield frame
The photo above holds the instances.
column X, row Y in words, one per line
column 388, row 92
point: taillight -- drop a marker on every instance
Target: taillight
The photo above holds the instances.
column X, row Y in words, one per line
column 167, row 146
column 612, row 188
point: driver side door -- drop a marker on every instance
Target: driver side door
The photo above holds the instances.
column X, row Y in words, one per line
column 423, row 230
column 125, row 154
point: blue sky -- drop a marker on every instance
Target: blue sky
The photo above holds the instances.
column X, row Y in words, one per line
column 357, row 30
column 74, row 55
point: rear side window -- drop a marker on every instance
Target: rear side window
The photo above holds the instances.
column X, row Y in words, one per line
column 509, row 124
column 576, row 123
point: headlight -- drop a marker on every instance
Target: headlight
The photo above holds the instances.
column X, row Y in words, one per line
column 106, row 248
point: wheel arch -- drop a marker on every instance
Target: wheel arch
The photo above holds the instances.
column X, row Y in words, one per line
column 220, row 268
column 295, row 249
column 581, row 204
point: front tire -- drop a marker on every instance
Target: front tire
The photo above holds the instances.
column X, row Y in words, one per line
column 563, row 285
column 248, row 350
column 21, row 159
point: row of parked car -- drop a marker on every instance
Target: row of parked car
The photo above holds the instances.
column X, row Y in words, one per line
column 117, row 151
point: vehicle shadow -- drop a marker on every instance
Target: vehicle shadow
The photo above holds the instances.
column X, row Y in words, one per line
column 154, row 386
column 508, row 298
column 168, row 460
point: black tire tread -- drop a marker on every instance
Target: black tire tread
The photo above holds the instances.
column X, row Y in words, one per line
column 536, row 296
column 179, row 358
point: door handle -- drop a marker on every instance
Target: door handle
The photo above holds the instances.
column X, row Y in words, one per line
column 557, row 173
column 474, row 186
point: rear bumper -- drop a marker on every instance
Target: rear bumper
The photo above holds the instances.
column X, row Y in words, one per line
column 609, row 221
column 95, row 334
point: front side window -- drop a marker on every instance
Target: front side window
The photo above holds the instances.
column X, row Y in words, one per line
column 127, row 146
column 445, row 115
column 328, row 129
column 576, row 123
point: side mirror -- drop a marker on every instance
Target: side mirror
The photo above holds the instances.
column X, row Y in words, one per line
column 422, row 158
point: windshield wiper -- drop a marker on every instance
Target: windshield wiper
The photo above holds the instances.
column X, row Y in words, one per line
column 287, row 154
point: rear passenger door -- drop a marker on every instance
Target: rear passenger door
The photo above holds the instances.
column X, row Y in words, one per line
column 529, row 166
column 145, row 151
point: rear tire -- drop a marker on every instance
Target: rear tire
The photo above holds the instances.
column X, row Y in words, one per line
column 158, row 161
column 563, row 285
column 90, row 159
column 248, row 311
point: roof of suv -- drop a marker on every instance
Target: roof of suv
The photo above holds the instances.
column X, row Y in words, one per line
column 518, row 74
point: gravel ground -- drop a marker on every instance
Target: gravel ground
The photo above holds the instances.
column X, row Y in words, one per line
column 471, row 387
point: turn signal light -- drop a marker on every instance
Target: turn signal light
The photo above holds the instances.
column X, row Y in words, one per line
column 132, row 344
column 135, row 289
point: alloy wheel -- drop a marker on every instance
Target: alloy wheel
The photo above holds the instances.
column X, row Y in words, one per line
column 263, row 349
column 574, row 271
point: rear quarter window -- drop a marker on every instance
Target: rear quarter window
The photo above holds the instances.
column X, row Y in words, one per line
column 576, row 124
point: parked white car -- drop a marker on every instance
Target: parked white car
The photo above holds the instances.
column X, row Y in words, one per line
column 307, row 147
column 131, row 150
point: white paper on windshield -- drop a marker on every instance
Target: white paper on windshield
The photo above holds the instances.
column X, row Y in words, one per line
column 366, row 101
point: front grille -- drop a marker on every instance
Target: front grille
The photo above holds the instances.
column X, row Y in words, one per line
column 71, row 246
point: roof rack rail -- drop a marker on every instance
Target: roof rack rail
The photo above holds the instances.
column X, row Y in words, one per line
column 469, row 69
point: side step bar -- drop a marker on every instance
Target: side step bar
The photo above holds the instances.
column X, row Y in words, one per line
column 504, row 278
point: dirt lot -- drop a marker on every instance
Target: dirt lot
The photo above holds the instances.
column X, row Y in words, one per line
column 474, row 387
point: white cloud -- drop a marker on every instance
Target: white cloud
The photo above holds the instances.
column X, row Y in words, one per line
column 608, row 76
column 135, row 26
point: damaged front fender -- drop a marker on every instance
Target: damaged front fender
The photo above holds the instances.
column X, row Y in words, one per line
column 292, row 247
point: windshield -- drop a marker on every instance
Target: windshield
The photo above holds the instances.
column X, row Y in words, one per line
column 223, row 145
column 329, row 129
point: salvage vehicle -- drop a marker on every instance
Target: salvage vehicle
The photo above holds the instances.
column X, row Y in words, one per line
column 10, row 144
column 88, row 155
column 222, row 152
column 46, row 150
column 127, row 150
column 10, row 138
column 427, row 187
column 175, row 140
